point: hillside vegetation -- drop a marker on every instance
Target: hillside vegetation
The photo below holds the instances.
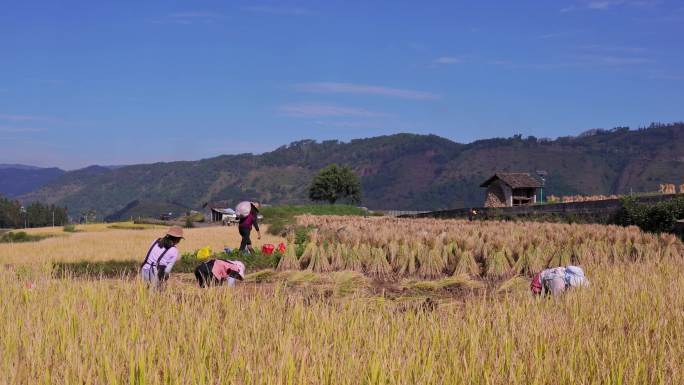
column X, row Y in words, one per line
column 402, row 171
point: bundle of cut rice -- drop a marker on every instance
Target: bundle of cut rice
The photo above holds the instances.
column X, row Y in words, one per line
column 289, row 261
column 431, row 263
column 377, row 266
column 352, row 261
column 497, row 265
column 336, row 257
column 309, row 251
column 405, row 263
column 466, row 264
column 319, row 261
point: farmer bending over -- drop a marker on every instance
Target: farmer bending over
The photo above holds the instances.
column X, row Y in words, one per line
column 215, row 272
column 558, row 279
column 160, row 258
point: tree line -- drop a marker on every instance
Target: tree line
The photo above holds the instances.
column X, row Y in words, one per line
column 14, row 215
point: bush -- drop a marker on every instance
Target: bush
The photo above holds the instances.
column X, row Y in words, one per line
column 129, row 227
column 21, row 236
column 255, row 261
column 69, row 228
column 280, row 217
column 188, row 222
column 657, row 217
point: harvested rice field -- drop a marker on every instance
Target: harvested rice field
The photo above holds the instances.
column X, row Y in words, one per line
column 363, row 301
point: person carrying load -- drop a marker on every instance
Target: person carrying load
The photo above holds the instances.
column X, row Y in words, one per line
column 215, row 272
column 160, row 258
column 556, row 280
column 248, row 213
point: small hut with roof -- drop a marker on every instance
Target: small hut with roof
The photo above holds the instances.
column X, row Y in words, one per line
column 214, row 211
column 511, row 189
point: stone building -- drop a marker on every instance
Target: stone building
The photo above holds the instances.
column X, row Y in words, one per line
column 511, row 189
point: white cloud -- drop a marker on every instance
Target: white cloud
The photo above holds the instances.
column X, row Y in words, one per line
column 190, row 17
column 665, row 75
column 364, row 89
column 603, row 5
column 278, row 10
column 24, row 118
column 599, row 60
column 613, row 48
column 447, row 60
column 311, row 110
column 349, row 124
column 18, row 130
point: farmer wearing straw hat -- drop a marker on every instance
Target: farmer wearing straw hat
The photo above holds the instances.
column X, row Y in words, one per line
column 215, row 272
column 160, row 257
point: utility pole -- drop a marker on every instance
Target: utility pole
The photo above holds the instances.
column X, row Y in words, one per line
column 53, row 217
column 22, row 210
column 542, row 175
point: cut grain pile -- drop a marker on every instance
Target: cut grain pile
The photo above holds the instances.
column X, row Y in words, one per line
column 386, row 248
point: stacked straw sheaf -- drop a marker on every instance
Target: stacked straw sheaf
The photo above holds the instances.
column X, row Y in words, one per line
column 390, row 248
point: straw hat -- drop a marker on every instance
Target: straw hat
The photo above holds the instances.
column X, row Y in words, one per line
column 175, row 231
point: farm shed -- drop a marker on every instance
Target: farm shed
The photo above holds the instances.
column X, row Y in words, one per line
column 511, row 189
column 213, row 211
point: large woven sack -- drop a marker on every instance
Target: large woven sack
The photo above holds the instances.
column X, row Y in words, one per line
column 553, row 280
column 243, row 209
column 574, row 277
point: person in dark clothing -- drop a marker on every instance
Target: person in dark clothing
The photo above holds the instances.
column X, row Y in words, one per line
column 245, row 228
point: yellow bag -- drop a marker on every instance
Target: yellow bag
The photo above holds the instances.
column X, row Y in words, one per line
column 204, row 253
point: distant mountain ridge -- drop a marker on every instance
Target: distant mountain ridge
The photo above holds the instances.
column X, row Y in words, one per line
column 18, row 166
column 402, row 171
column 18, row 179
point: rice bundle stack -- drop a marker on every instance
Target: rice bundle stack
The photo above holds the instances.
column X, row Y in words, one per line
column 405, row 263
column 466, row 264
column 497, row 265
column 377, row 266
column 336, row 257
column 352, row 261
column 449, row 254
column 431, row 263
column 289, row 261
column 309, row 250
column 319, row 261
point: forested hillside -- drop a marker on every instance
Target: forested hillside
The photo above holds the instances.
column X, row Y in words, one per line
column 402, row 171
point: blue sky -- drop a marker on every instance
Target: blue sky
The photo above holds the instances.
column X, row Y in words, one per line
column 121, row 82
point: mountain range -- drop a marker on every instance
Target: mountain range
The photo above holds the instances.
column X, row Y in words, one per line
column 18, row 179
column 402, row 171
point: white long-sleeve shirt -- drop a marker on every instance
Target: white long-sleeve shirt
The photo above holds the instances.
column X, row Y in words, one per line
column 167, row 260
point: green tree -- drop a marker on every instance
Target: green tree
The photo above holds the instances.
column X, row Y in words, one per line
column 334, row 183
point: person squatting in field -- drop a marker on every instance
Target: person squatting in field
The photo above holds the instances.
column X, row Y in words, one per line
column 161, row 257
column 247, row 221
column 556, row 280
column 215, row 272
